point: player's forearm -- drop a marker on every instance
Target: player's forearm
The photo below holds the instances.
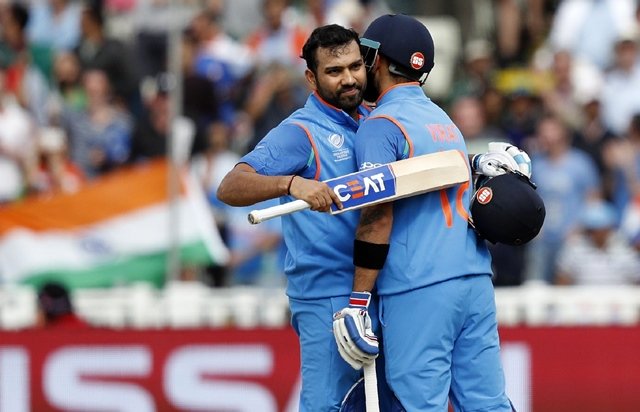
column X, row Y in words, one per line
column 364, row 280
column 244, row 187
column 374, row 228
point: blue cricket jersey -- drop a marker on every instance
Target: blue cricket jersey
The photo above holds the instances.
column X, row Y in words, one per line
column 315, row 142
column 431, row 240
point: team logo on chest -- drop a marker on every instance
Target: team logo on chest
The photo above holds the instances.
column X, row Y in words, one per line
column 336, row 140
column 339, row 150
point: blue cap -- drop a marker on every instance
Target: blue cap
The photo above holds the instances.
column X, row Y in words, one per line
column 405, row 41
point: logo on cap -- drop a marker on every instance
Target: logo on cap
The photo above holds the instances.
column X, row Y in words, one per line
column 417, row 60
column 484, row 195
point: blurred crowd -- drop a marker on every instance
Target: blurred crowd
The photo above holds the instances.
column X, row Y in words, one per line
column 85, row 89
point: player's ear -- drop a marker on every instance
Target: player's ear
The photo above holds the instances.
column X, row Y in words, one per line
column 311, row 79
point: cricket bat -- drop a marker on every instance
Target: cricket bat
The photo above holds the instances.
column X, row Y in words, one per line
column 367, row 384
column 371, row 388
column 393, row 181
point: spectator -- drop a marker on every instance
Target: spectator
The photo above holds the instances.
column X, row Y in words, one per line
column 99, row 52
column 224, row 61
column 16, row 145
column 23, row 79
column 477, row 71
column 519, row 28
column 522, row 113
column 597, row 254
column 100, row 135
column 567, row 178
column 56, row 172
column 278, row 41
column 151, row 130
column 560, row 98
column 55, row 308
column 67, row 88
column 620, row 100
column 200, row 100
column 589, row 29
column 624, row 156
column 594, row 138
column 468, row 114
column 494, row 103
column 55, row 24
column 151, row 22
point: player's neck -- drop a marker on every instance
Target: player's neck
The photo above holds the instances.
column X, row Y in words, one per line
column 354, row 114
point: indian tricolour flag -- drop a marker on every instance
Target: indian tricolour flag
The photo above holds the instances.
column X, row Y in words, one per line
column 114, row 230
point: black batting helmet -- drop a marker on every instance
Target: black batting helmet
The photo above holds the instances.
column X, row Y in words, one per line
column 507, row 209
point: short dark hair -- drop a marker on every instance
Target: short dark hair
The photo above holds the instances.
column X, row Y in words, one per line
column 331, row 36
column 20, row 14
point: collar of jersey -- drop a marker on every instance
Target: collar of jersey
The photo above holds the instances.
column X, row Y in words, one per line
column 401, row 91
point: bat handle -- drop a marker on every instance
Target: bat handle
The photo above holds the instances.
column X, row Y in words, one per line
column 260, row 215
column 371, row 387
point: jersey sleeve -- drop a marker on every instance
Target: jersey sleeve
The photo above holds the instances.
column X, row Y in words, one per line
column 284, row 150
column 379, row 141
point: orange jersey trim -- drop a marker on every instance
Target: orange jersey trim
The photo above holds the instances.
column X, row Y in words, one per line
column 314, row 147
column 400, row 126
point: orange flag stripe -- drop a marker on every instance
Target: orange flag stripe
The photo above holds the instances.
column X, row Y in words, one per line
column 117, row 193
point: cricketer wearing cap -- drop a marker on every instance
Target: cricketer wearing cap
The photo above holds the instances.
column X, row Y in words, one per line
column 315, row 143
column 433, row 272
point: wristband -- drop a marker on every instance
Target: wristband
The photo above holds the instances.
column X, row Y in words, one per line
column 475, row 162
column 359, row 300
column 369, row 255
column 289, row 185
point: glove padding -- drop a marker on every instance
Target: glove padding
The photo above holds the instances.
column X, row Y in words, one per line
column 357, row 343
column 502, row 156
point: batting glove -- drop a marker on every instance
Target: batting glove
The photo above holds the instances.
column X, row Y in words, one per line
column 356, row 341
column 502, row 156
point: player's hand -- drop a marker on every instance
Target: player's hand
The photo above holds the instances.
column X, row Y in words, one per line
column 356, row 341
column 500, row 156
column 318, row 194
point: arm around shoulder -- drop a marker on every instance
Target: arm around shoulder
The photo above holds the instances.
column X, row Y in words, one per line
column 243, row 186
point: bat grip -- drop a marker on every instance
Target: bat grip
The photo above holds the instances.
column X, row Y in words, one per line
column 260, row 215
column 371, row 387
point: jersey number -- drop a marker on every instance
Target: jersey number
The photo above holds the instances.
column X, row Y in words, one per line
column 460, row 207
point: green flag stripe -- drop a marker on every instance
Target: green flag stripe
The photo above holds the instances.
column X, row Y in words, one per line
column 147, row 268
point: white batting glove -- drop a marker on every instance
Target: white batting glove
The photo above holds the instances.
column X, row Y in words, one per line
column 500, row 156
column 357, row 343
